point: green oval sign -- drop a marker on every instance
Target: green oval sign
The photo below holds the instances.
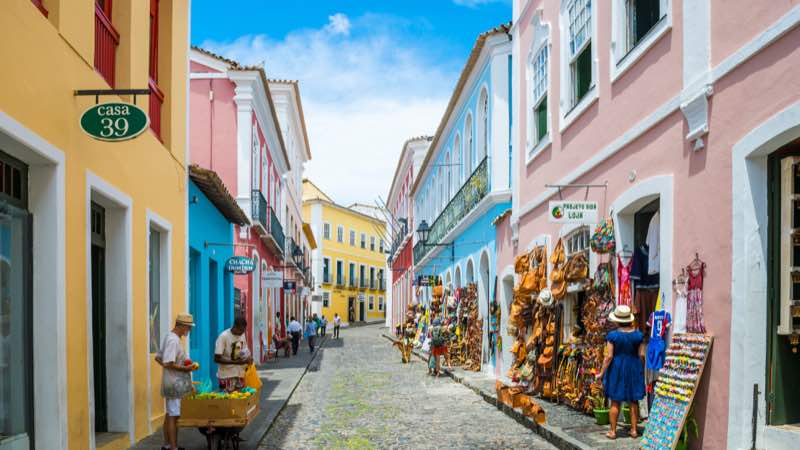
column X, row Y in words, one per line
column 114, row 121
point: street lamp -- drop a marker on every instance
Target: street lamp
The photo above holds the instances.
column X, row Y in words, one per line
column 422, row 231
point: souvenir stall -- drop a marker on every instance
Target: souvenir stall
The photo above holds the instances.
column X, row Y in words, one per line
column 471, row 325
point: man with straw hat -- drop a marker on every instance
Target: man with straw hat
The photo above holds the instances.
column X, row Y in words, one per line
column 623, row 368
column 177, row 379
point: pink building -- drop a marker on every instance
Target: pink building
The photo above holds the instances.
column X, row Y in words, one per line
column 400, row 204
column 689, row 112
column 235, row 132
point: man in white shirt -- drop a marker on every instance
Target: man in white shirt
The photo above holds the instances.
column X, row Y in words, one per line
column 176, row 381
column 232, row 356
column 295, row 330
column 337, row 322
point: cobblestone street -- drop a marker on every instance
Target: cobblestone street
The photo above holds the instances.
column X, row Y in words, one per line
column 357, row 394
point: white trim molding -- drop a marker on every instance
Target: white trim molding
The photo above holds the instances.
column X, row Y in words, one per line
column 568, row 112
column 119, row 286
column 749, row 275
column 47, row 204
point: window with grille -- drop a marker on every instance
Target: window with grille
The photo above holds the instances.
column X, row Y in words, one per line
column 539, row 88
column 326, row 230
column 580, row 48
column 326, row 299
column 577, row 241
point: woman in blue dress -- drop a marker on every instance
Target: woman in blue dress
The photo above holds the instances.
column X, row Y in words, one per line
column 623, row 368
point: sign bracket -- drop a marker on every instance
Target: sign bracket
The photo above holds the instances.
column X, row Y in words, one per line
column 98, row 92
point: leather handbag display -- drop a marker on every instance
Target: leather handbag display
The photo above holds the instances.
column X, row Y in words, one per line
column 577, row 268
column 522, row 263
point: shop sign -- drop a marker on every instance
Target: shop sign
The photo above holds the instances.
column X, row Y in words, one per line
column 240, row 265
column 584, row 213
column 289, row 285
column 425, row 281
column 114, row 121
column 272, row 280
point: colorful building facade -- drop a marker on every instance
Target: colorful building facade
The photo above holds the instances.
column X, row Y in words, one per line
column 349, row 263
column 691, row 113
column 235, row 132
column 464, row 180
column 400, row 206
column 297, row 266
column 213, row 212
column 79, row 294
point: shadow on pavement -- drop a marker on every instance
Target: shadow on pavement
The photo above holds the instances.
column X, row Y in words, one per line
column 279, row 428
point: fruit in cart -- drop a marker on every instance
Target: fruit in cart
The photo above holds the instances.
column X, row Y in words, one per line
column 195, row 366
column 187, row 362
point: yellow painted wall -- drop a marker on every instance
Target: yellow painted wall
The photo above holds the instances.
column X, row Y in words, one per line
column 337, row 215
column 44, row 60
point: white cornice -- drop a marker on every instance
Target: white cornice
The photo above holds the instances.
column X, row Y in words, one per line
column 250, row 89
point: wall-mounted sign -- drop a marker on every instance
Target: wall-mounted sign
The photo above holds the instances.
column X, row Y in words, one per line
column 573, row 212
column 272, row 280
column 240, row 265
column 289, row 285
column 114, row 121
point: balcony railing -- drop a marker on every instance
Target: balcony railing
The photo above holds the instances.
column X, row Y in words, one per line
column 399, row 238
column 275, row 229
column 265, row 216
column 259, row 209
column 471, row 193
column 106, row 40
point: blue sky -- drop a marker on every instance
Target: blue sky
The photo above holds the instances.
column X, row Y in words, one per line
column 372, row 73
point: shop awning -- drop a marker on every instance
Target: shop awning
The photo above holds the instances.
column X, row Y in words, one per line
column 212, row 186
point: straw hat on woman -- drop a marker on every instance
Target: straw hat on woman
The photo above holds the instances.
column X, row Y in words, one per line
column 623, row 368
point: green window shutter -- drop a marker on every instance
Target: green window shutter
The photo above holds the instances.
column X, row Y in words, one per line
column 583, row 69
column 541, row 120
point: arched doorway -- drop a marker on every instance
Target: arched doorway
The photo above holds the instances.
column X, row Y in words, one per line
column 457, row 281
column 484, row 297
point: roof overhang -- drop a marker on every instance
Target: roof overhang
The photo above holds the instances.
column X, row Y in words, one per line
column 212, row 186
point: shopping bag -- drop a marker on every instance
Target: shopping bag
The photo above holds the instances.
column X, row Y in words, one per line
column 251, row 378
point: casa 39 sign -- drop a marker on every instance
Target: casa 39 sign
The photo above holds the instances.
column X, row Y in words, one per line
column 240, row 265
column 114, row 121
column 584, row 213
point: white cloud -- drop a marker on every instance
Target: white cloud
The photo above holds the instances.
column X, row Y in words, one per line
column 338, row 24
column 366, row 88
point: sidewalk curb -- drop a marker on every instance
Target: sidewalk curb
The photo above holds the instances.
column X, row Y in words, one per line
column 268, row 428
column 554, row 435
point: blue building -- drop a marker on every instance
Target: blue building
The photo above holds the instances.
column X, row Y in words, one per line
column 212, row 213
column 464, row 181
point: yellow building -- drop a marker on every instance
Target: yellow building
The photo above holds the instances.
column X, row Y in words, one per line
column 349, row 263
column 92, row 232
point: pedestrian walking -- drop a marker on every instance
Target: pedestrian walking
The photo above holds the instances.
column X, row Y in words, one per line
column 232, row 356
column 438, row 346
column 324, row 325
column 318, row 323
column 295, row 330
column 623, row 368
column 311, row 333
column 176, row 381
column 337, row 322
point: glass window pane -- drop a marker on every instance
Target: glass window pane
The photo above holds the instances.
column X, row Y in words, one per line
column 155, row 290
column 541, row 120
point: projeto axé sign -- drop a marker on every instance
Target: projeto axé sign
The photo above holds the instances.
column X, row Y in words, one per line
column 114, row 121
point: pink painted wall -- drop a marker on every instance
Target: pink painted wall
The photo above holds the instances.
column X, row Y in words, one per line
column 734, row 23
column 743, row 99
column 212, row 127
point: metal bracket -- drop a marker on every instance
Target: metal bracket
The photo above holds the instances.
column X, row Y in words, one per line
column 98, row 92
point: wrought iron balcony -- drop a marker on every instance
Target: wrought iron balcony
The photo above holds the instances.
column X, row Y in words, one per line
column 468, row 196
column 260, row 210
column 276, row 229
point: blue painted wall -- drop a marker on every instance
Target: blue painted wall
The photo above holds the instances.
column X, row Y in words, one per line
column 210, row 286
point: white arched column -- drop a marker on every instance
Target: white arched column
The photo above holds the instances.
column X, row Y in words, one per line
column 749, row 279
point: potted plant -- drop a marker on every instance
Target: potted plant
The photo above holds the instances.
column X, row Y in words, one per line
column 683, row 440
column 600, row 410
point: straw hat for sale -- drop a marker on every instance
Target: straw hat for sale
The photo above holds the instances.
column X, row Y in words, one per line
column 621, row 314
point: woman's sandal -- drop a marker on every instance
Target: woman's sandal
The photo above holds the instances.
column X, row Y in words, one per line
column 633, row 434
column 611, row 435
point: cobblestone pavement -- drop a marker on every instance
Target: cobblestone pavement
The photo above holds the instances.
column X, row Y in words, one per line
column 358, row 395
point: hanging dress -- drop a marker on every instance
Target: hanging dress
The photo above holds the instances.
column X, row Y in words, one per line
column 679, row 318
column 694, row 301
column 624, row 277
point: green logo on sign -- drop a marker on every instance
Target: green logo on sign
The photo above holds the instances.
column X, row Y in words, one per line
column 114, row 121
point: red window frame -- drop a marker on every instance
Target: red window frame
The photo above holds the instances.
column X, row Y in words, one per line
column 156, row 95
column 40, row 6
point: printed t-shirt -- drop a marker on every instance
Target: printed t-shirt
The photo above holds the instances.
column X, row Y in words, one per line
column 231, row 347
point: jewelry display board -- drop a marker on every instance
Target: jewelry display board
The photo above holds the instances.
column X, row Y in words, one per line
column 675, row 389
